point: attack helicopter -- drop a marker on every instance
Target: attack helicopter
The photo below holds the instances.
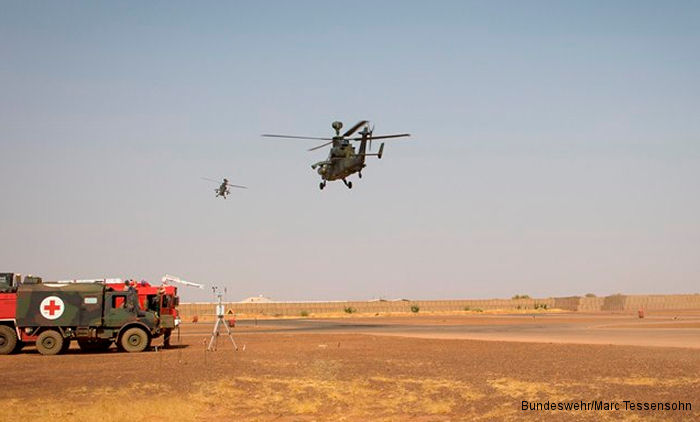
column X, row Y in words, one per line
column 342, row 159
column 224, row 187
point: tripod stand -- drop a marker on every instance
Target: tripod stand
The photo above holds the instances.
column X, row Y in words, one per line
column 219, row 322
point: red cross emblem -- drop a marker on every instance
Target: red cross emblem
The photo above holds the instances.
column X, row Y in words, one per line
column 51, row 307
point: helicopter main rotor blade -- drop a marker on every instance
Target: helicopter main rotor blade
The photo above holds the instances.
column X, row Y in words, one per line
column 297, row 137
column 211, row 180
column 236, row 186
column 400, row 135
column 354, row 128
column 320, row 146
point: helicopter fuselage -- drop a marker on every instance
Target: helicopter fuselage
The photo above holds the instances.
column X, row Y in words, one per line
column 222, row 190
column 342, row 161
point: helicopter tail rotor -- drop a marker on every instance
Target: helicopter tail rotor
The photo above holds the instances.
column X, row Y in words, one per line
column 369, row 135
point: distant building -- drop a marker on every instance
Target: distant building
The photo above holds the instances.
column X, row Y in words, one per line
column 257, row 299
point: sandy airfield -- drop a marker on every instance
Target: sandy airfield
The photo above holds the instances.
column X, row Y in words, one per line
column 385, row 368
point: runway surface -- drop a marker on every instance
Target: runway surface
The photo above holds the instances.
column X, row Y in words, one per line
column 658, row 331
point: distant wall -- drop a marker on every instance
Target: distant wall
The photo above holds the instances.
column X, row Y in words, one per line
column 661, row 302
column 615, row 303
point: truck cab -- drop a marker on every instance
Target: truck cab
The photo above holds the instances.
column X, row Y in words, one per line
column 163, row 301
column 123, row 307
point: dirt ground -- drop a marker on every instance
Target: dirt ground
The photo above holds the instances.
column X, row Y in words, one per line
column 367, row 369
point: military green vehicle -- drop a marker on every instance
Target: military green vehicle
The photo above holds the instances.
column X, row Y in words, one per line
column 93, row 314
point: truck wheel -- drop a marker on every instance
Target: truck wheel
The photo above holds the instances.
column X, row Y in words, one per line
column 49, row 342
column 134, row 340
column 8, row 340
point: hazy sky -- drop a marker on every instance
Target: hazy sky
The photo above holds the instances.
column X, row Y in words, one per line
column 555, row 147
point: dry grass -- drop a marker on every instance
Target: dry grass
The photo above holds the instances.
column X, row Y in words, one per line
column 653, row 382
column 524, row 390
column 255, row 399
column 322, row 394
column 308, row 398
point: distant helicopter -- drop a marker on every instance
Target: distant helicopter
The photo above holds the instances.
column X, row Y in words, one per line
column 224, row 188
column 342, row 159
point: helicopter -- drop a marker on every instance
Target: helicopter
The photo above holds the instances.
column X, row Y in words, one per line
column 224, row 188
column 342, row 159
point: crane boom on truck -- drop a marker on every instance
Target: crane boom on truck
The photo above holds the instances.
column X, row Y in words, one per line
column 167, row 279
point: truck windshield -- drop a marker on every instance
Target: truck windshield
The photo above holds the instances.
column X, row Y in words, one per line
column 118, row 301
column 152, row 302
column 5, row 282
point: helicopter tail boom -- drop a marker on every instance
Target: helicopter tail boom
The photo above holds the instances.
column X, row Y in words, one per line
column 378, row 154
